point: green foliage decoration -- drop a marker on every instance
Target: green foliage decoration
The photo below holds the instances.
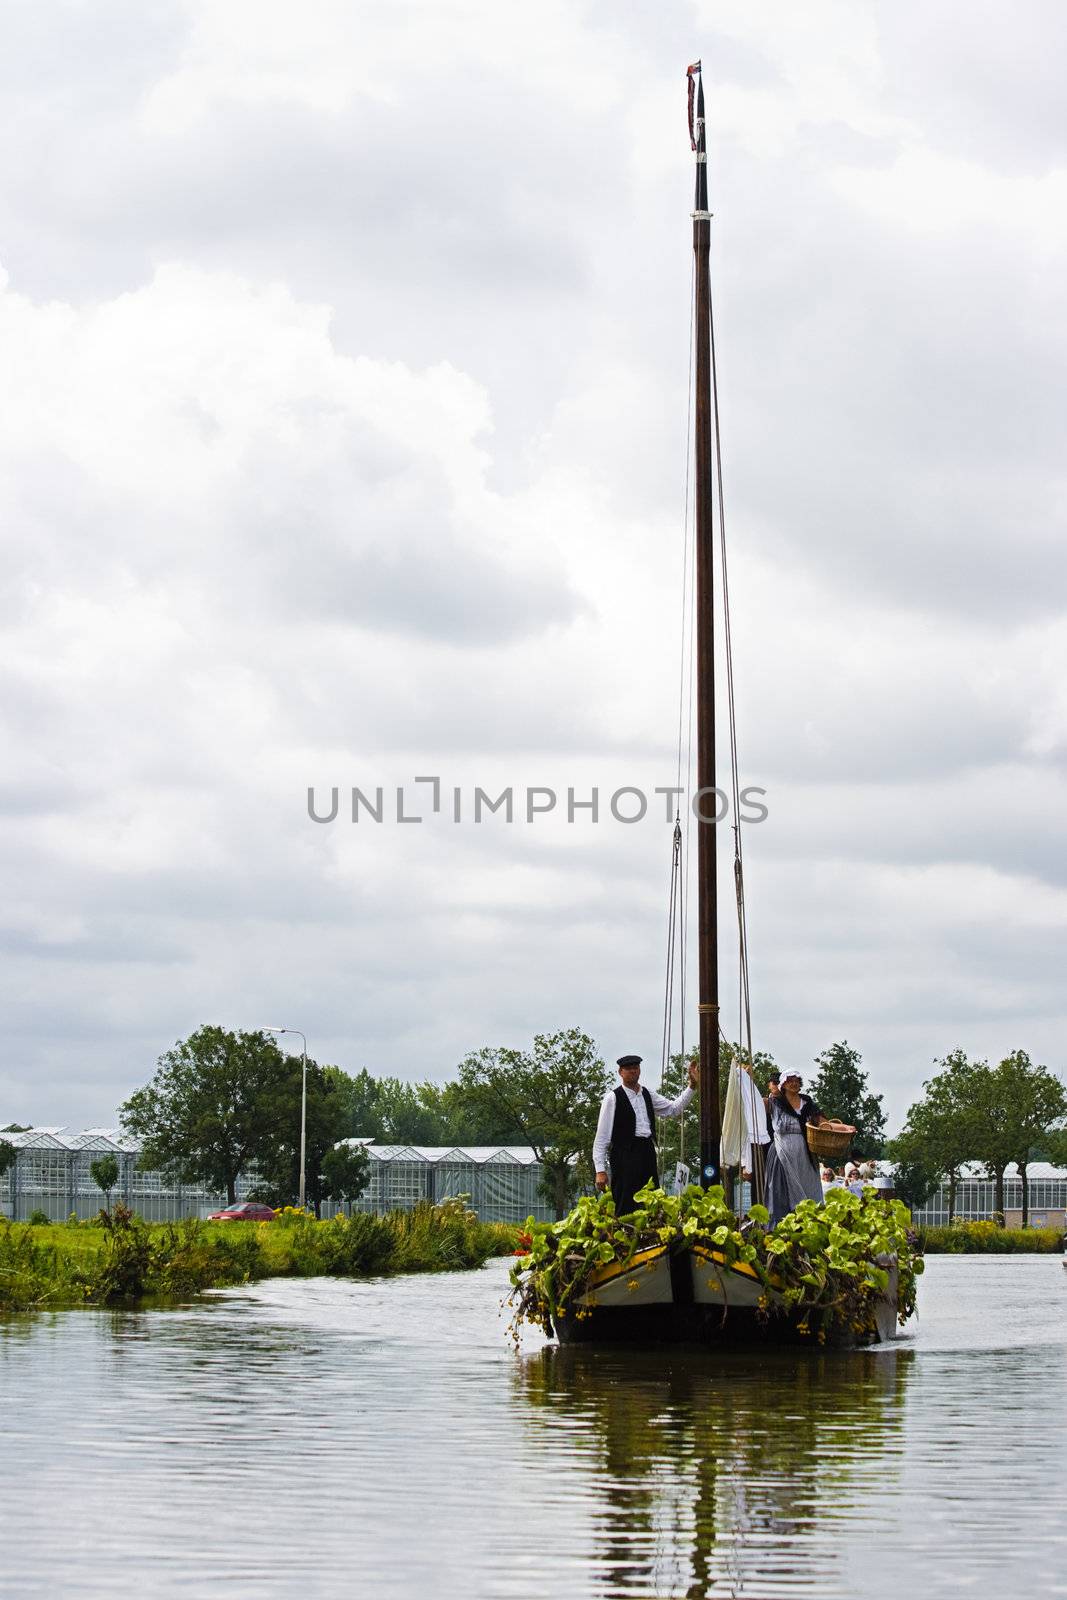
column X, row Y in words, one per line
column 824, row 1264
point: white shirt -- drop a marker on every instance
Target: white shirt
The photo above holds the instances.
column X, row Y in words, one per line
column 606, row 1121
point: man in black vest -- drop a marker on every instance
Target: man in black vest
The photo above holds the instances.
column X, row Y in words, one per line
column 627, row 1129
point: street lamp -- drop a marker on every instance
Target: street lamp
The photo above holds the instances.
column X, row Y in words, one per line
column 303, row 1105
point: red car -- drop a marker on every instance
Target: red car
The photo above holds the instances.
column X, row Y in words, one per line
column 243, row 1211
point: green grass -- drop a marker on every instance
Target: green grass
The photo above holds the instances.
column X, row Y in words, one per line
column 126, row 1261
column 985, row 1238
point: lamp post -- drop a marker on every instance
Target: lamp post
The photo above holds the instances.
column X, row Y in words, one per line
column 303, row 1105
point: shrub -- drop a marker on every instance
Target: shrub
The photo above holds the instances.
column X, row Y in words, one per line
column 38, row 1219
column 188, row 1259
column 977, row 1238
column 360, row 1245
column 124, row 1269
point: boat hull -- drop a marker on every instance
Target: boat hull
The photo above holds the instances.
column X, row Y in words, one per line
column 694, row 1297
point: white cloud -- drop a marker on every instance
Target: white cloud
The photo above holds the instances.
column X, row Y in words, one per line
column 251, row 51
column 342, row 438
column 925, row 189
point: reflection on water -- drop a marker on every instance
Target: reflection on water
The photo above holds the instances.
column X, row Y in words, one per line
column 718, row 1471
column 322, row 1438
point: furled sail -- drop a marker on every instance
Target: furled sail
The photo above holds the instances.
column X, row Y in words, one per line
column 743, row 1122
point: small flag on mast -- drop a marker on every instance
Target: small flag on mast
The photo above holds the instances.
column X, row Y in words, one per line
column 691, row 77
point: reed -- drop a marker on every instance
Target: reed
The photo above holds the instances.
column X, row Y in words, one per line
column 118, row 1259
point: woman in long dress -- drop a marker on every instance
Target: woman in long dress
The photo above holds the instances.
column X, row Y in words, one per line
column 792, row 1171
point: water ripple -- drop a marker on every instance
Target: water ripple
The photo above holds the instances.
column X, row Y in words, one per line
column 311, row 1439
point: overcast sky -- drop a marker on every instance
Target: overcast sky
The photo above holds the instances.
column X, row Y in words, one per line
column 343, row 369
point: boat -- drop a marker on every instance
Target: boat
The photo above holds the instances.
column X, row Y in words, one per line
column 693, row 1295
column 682, row 1288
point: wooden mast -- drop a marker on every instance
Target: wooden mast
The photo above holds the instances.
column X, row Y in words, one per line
column 706, row 799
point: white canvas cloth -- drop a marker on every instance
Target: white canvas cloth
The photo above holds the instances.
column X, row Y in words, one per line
column 744, row 1122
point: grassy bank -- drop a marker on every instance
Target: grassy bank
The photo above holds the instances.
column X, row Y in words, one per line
column 985, row 1238
column 124, row 1261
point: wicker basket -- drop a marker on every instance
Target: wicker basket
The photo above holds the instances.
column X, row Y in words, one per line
column 829, row 1141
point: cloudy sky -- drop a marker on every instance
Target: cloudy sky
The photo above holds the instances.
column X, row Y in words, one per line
column 343, row 365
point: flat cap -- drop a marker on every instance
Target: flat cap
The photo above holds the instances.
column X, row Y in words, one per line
column 628, row 1061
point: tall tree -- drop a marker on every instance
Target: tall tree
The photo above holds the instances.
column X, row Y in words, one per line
column 8, row 1153
column 841, row 1090
column 357, row 1102
column 1053, row 1147
column 345, row 1171
column 916, row 1176
column 1019, row 1104
column 403, row 1116
column 547, row 1097
column 208, row 1114
column 395, row 1112
column 278, row 1156
column 461, row 1120
column 940, row 1133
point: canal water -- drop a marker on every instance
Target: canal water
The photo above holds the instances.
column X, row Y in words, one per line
column 384, row 1439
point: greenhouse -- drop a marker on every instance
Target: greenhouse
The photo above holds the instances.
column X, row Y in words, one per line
column 976, row 1197
column 502, row 1183
column 51, row 1176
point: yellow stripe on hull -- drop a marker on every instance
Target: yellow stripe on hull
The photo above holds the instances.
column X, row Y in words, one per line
column 716, row 1284
column 645, row 1280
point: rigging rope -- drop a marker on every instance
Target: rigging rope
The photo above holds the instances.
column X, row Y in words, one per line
column 744, row 998
column 678, row 903
column 672, row 925
column 678, row 897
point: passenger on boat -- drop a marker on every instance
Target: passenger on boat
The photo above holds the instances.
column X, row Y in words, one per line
column 626, row 1132
column 792, row 1170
